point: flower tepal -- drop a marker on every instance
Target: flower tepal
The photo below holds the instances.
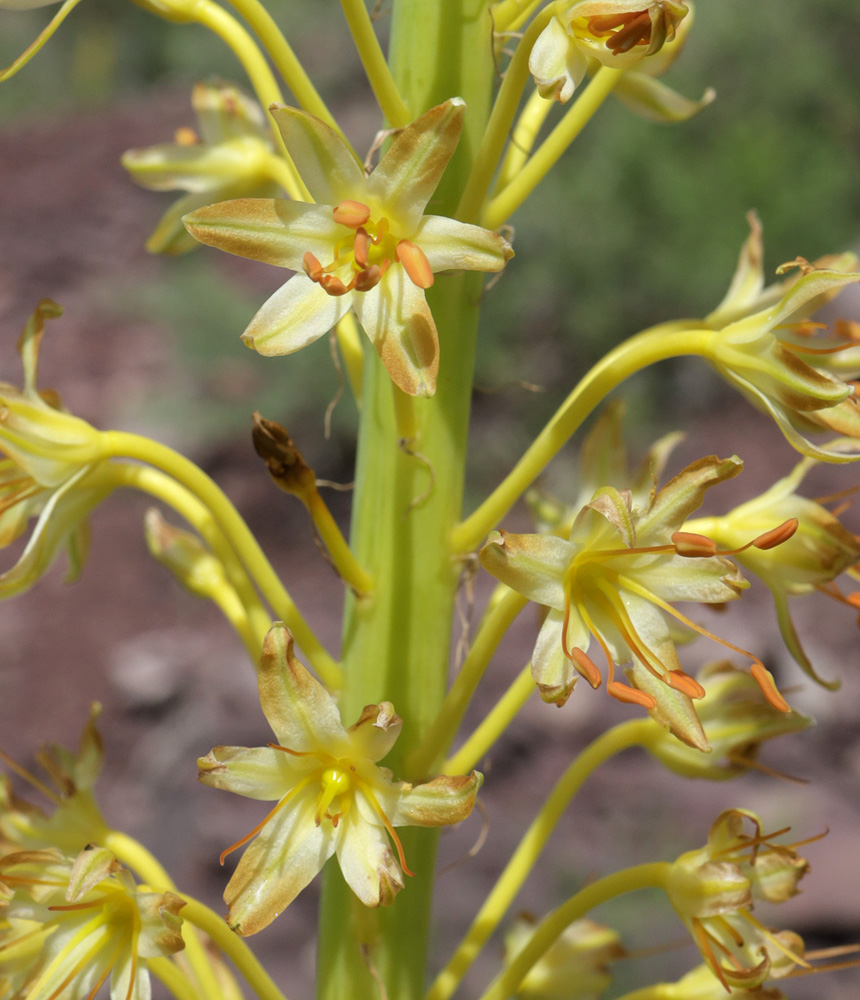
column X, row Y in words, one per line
column 366, row 244
column 332, row 797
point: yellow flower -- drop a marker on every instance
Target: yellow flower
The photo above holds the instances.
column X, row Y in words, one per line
column 616, row 33
column 762, row 345
column 69, row 924
column 615, row 579
column 575, row 967
column 53, row 469
column 819, row 551
column 713, row 891
column 366, row 245
column 737, row 719
column 332, row 796
column 228, row 159
column 75, row 819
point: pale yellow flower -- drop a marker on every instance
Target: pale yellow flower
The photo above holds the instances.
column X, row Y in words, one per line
column 365, row 245
column 70, row 923
column 333, row 797
column 615, row 33
column 713, row 890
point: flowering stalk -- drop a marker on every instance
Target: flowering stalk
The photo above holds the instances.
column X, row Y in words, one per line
column 396, row 644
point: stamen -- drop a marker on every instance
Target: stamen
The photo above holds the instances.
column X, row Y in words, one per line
column 333, row 285
column 351, row 214
column 360, row 247
column 631, row 696
column 367, row 279
column 23, row 773
column 291, row 794
column 586, row 667
column 849, row 329
column 185, row 136
column 691, row 545
column 776, row 536
column 774, row 940
column 82, row 906
column 684, row 683
column 415, row 263
column 312, row 267
column 386, row 822
column 704, row 943
column 764, row 679
column 637, row 32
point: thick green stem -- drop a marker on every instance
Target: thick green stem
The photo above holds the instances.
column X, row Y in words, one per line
column 408, row 498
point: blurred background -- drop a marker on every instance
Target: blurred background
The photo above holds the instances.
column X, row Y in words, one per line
column 639, row 223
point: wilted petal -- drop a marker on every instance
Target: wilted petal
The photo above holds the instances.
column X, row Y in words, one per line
column 410, row 171
column 396, row 317
column 299, row 313
column 255, row 772
column 707, row 581
column 271, row 230
column 449, row 245
column 328, row 167
column 300, row 711
column 444, row 800
column 376, row 731
column 685, row 493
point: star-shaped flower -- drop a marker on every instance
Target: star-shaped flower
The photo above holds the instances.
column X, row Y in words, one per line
column 616, row 579
column 365, row 245
column 332, row 796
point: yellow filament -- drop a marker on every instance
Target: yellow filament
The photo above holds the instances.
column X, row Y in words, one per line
column 386, row 822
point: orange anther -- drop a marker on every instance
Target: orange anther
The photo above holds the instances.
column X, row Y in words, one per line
column 351, row 214
column 689, row 544
column 367, row 279
column 684, row 683
column 333, row 285
column 185, row 136
column 586, row 667
column 776, row 536
column 849, row 329
column 360, row 247
column 415, row 264
column 632, row 696
column 312, row 267
column 764, row 679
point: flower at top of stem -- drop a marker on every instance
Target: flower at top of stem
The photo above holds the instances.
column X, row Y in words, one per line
column 737, row 719
column 229, row 156
column 53, row 469
column 575, row 967
column 75, row 819
column 615, row 579
column 69, row 923
column 365, row 245
column 713, row 891
column 819, row 551
column 332, row 796
column 765, row 345
column 616, row 33
column 640, row 91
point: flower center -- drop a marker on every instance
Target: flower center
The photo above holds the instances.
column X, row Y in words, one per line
column 335, row 786
column 362, row 257
column 621, row 32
